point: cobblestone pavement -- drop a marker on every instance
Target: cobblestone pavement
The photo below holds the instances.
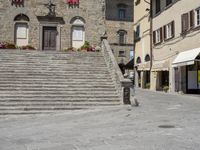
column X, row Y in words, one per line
column 114, row 128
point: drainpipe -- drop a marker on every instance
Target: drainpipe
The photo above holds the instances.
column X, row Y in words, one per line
column 151, row 35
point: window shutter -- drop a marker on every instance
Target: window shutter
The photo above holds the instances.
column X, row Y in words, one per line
column 165, row 32
column 154, row 37
column 161, row 34
column 173, row 28
column 191, row 19
column 185, row 22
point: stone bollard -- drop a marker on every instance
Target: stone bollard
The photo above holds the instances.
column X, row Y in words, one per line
column 126, row 87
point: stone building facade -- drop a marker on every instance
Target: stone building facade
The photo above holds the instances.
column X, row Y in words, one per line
column 27, row 22
column 176, row 50
column 142, row 43
column 119, row 28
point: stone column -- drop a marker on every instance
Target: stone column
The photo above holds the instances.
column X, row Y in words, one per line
column 136, row 78
column 126, row 90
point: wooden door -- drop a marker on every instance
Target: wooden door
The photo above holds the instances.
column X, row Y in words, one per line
column 49, row 38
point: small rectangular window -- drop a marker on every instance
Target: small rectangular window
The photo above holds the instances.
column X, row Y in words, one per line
column 122, row 14
column 197, row 17
column 137, row 33
column 169, row 30
column 158, row 36
column 122, row 54
column 185, row 22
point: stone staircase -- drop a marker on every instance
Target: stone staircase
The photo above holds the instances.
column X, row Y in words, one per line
column 42, row 82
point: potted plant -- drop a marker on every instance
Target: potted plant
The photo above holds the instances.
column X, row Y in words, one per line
column 165, row 88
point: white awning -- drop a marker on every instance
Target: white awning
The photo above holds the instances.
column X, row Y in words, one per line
column 186, row 58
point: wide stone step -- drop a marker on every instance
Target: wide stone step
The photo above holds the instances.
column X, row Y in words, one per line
column 53, row 88
column 50, row 73
column 56, row 104
column 56, row 96
column 49, row 77
column 62, row 107
column 59, row 99
column 37, row 82
column 67, row 82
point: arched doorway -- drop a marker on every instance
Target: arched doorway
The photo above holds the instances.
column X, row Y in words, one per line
column 77, row 32
column 21, row 30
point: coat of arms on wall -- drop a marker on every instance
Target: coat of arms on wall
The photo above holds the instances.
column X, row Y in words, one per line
column 17, row 2
column 72, row 3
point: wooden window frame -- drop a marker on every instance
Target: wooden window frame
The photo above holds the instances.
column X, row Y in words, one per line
column 157, row 8
column 166, row 30
column 196, row 24
column 157, row 40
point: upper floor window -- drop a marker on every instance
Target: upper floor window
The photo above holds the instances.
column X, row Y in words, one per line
column 169, row 30
column 168, row 2
column 188, row 21
column 122, row 14
column 137, row 33
column 121, row 11
column 157, row 6
column 197, row 16
column 157, row 36
column 122, row 36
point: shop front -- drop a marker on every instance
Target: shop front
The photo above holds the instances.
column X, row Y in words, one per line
column 187, row 65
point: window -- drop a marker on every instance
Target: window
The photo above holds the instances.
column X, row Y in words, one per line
column 121, row 11
column 122, row 36
column 122, row 14
column 147, row 58
column 137, row 33
column 122, row 54
column 185, row 19
column 77, row 33
column 197, row 16
column 138, row 61
column 188, row 20
column 157, row 36
column 169, row 30
column 168, row 2
column 157, row 6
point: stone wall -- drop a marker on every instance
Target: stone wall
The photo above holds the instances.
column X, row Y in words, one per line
column 114, row 24
column 92, row 11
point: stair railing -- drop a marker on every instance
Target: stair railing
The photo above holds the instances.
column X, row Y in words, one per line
column 123, row 86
